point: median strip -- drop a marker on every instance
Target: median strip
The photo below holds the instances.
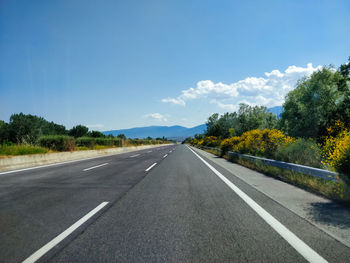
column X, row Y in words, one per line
column 149, row 168
column 42, row 251
column 308, row 253
column 87, row 169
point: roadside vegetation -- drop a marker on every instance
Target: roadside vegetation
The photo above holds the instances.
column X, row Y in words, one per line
column 313, row 130
column 29, row 134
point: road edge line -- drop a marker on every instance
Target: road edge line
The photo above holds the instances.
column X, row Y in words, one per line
column 300, row 246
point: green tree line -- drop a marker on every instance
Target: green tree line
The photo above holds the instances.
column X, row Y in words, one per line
column 309, row 110
column 27, row 128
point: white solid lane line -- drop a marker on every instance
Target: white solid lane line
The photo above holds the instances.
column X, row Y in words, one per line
column 132, row 156
column 165, row 156
column 307, row 252
column 87, row 169
column 42, row 251
column 149, row 168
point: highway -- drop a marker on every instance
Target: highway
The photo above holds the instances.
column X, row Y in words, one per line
column 165, row 204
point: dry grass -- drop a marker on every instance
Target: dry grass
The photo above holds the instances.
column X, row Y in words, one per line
column 13, row 150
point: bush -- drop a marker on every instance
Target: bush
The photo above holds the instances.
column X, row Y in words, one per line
column 301, row 151
column 210, row 141
column 57, row 142
column 86, row 142
column 92, row 142
column 229, row 144
column 257, row 142
column 336, row 148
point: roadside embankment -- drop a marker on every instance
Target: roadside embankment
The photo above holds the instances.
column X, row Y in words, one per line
column 332, row 217
column 326, row 183
column 8, row 163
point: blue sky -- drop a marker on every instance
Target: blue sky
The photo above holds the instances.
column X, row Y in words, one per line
column 120, row 64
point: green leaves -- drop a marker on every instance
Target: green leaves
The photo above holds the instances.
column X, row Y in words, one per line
column 315, row 104
column 248, row 118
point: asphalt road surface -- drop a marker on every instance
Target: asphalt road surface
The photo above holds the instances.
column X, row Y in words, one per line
column 166, row 204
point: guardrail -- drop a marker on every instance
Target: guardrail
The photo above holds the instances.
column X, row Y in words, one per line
column 321, row 173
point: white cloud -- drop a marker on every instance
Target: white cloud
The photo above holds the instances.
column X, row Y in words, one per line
column 229, row 107
column 95, row 126
column 156, row 116
column 269, row 90
column 175, row 101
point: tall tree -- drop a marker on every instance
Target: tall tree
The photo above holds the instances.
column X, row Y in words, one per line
column 315, row 104
column 96, row 134
column 4, row 132
column 248, row 118
column 78, row 131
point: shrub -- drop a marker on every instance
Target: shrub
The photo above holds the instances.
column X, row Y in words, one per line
column 336, row 148
column 210, row 141
column 118, row 142
column 301, row 151
column 104, row 141
column 229, row 144
column 272, row 140
column 92, row 142
column 57, row 142
column 257, row 142
column 86, row 142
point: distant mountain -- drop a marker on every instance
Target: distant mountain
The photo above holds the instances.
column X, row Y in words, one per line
column 176, row 132
column 276, row 110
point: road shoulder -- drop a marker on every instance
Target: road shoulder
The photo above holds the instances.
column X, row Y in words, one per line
column 327, row 215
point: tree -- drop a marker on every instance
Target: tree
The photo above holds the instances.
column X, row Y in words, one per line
column 343, row 109
column 28, row 128
column 78, row 131
column 121, row 136
column 213, row 128
column 251, row 118
column 4, row 132
column 95, row 134
column 248, row 118
column 315, row 104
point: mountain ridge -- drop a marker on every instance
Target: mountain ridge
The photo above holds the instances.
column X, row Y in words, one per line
column 175, row 132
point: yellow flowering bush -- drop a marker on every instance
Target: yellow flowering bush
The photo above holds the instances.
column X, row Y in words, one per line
column 210, row 141
column 272, row 140
column 336, row 148
column 257, row 142
column 230, row 144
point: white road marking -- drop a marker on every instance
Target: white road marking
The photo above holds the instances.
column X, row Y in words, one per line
column 87, row 169
column 308, row 253
column 42, row 251
column 149, row 168
column 132, row 156
column 165, row 156
column 149, row 151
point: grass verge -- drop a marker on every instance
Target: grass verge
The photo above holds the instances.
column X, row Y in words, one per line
column 335, row 190
column 21, row 149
